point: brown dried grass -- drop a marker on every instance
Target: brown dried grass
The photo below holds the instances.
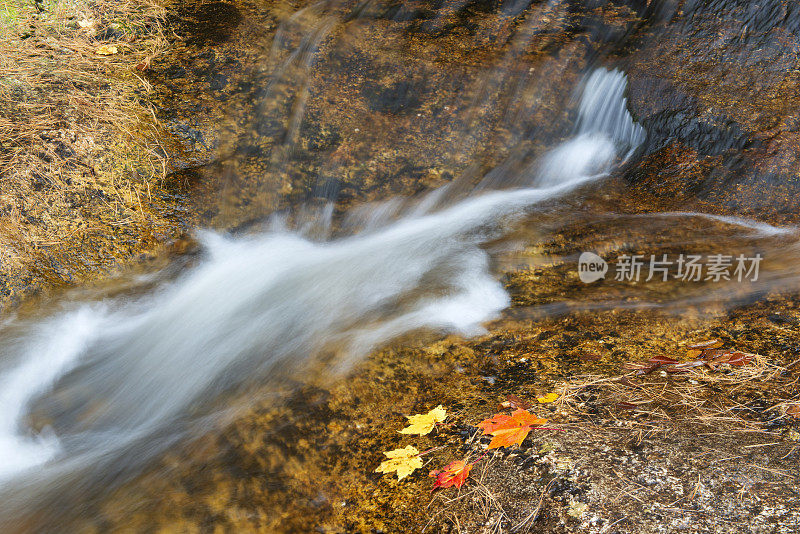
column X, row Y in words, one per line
column 54, row 84
column 700, row 396
column 79, row 142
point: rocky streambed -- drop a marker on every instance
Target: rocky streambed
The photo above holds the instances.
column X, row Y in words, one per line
column 266, row 107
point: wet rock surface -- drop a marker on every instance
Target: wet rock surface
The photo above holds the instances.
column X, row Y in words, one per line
column 399, row 98
column 383, row 110
column 361, row 102
column 715, row 85
column 661, row 453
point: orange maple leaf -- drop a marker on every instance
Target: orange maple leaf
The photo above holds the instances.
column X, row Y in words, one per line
column 453, row 475
column 509, row 436
column 494, row 423
column 509, row 429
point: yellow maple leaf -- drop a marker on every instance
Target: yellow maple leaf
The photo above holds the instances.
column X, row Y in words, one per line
column 106, row 50
column 550, row 397
column 403, row 461
column 423, row 423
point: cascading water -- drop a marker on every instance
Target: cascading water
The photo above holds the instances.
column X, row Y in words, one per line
column 259, row 306
column 604, row 131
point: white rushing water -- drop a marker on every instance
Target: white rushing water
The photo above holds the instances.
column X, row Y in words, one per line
column 257, row 305
column 50, row 351
column 760, row 228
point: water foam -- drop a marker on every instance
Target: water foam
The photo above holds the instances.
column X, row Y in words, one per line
column 51, row 350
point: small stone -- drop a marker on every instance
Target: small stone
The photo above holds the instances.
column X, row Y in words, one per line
column 577, row 508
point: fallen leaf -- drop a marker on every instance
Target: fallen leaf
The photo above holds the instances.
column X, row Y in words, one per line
column 710, row 354
column 693, row 353
column 793, row 410
column 625, row 405
column 106, row 50
column 512, row 401
column 507, row 430
column 740, row 358
column 550, row 397
column 422, row 424
column 731, row 357
column 589, row 357
column 453, row 475
column 493, row 423
column 507, row 437
column 87, row 25
column 403, row 461
column 718, row 356
column 577, row 509
column 663, row 360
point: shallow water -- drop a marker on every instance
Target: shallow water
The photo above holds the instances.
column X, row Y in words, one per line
column 122, row 379
column 93, row 392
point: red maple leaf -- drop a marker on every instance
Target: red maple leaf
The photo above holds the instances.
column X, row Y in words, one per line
column 506, row 430
column 453, row 475
column 664, row 360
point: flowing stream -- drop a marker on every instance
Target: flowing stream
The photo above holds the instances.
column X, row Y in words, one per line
column 259, row 304
column 93, row 391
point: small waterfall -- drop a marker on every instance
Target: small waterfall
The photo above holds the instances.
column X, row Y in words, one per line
column 258, row 307
column 604, row 110
column 604, row 130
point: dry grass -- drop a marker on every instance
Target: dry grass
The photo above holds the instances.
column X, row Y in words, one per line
column 56, row 88
column 699, row 396
column 79, row 144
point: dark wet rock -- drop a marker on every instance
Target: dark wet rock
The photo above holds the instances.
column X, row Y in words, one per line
column 782, row 319
column 402, row 12
column 717, row 79
column 402, row 96
column 109, row 34
column 217, row 82
column 174, row 72
column 207, row 22
column 671, row 115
